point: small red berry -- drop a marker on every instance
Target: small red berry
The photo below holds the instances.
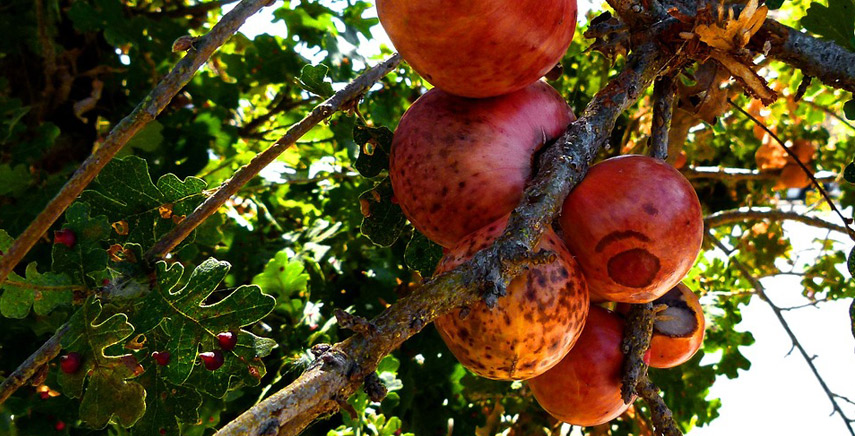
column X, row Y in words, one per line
column 70, row 363
column 65, row 237
column 161, row 357
column 212, row 359
column 60, row 426
column 227, row 340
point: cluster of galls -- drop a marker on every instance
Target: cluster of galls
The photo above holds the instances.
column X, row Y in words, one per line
column 213, row 360
column 460, row 160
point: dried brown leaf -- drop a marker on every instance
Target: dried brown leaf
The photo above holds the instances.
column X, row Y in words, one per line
column 735, row 32
column 752, row 83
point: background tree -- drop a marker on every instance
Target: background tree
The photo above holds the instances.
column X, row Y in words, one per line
column 284, row 261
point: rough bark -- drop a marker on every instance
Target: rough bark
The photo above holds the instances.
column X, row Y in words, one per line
column 340, row 371
column 825, row 60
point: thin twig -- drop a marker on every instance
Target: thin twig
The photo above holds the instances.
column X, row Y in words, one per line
column 804, row 168
column 760, row 290
column 193, row 11
column 26, row 370
column 747, row 214
column 145, row 112
column 802, row 306
column 286, row 104
column 828, row 111
column 231, row 186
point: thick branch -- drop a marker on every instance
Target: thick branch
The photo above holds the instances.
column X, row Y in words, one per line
column 760, row 290
column 663, row 420
column 825, row 60
column 340, row 371
column 26, row 370
column 740, row 215
column 230, row 187
column 145, row 112
column 636, row 341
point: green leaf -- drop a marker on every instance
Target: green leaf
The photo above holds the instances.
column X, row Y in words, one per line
column 422, row 254
column 126, row 195
column 148, row 139
column 192, row 324
column 313, row 79
column 109, row 392
column 166, row 404
column 282, row 276
column 775, row 4
column 849, row 172
column 374, row 144
column 382, row 220
column 835, row 21
column 850, row 262
column 42, row 292
column 242, row 366
column 849, row 110
column 88, row 254
column 852, row 316
column 14, row 180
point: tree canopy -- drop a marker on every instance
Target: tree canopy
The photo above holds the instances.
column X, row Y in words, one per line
column 165, row 179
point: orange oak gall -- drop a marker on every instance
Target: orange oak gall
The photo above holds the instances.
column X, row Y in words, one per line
column 584, row 388
column 458, row 164
column 678, row 331
column 530, row 329
column 636, row 227
column 480, row 48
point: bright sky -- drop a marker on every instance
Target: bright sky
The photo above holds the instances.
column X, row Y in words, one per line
column 779, row 395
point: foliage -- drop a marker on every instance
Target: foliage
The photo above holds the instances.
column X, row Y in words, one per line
column 319, row 229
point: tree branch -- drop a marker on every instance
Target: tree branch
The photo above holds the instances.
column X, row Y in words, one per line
column 663, row 103
column 760, row 290
column 231, row 186
column 283, row 105
column 338, row 372
column 636, row 340
column 145, row 112
column 663, row 420
column 830, row 112
column 737, row 174
column 26, row 370
column 194, row 10
column 808, row 172
column 740, row 215
column 825, row 60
